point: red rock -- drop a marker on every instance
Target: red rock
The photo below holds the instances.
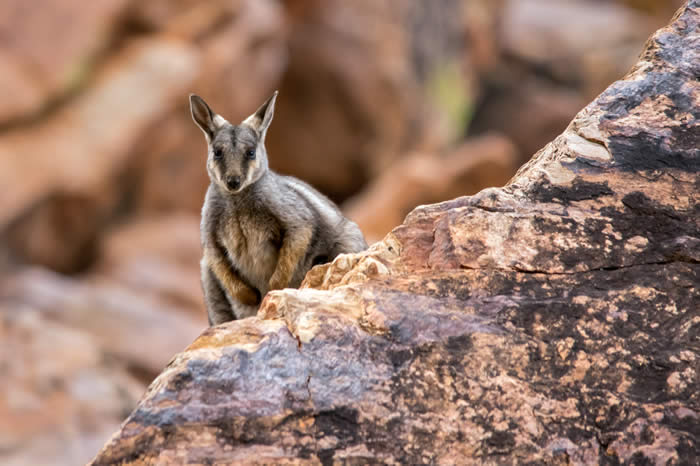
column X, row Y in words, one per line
column 84, row 150
column 417, row 179
column 60, row 397
column 34, row 74
column 114, row 315
column 157, row 257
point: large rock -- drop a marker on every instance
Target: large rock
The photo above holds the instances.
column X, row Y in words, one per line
column 61, row 396
column 78, row 158
column 424, row 178
column 553, row 320
column 34, row 74
column 368, row 81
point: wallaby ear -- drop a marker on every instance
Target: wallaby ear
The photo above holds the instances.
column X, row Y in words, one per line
column 261, row 119
column 205, row 118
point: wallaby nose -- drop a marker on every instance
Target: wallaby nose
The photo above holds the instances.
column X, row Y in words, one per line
column 233, row 183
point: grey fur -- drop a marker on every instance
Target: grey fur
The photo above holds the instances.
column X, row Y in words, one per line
column 260, row 230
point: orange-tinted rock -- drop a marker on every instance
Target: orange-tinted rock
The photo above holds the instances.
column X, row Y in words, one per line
column 84, row 150
column 421, row 178
column 35, row 74
column 61, row 396
column 129, row 324
column 157, row 257
column 554, row 320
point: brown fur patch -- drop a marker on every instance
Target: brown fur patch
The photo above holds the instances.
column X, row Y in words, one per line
column 230, row 280
column 293, row 251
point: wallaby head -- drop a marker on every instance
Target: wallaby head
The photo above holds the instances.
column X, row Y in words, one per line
column 236, row 156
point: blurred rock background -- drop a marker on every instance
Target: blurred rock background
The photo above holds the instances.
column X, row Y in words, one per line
column 383, row 105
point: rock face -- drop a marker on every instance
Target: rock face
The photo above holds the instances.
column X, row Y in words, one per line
column 554, row 320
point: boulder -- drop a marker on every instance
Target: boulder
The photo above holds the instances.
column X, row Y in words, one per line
column 35, row 76
column 424, row 178
column 61, row 395
column 374, row 80
column 114, row 315
column 555, row 320
column 78, row 158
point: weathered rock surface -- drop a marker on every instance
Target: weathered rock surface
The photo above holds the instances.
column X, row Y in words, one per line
column 554, row 320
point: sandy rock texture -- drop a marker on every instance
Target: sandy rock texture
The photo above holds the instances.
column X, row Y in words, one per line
column 554, row 320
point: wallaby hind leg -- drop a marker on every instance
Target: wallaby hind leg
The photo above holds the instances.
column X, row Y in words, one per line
column 218, row 305
column 351, row 240
column 242, row 311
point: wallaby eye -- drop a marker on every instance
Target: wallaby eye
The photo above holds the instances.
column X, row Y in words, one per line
column 250, row 154
column 218, row 154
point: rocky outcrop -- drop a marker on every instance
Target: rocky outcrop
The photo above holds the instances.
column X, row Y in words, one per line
column 553, row 320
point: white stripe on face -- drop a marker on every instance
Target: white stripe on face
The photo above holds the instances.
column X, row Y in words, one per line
column 252, row 170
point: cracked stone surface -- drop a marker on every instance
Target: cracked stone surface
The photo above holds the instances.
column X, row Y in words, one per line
column 554, row 320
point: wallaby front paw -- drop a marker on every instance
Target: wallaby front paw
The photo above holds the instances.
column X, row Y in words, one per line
column 277, row 285
column 248, row 297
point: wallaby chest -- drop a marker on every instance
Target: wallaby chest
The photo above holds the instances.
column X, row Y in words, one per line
column 252, row 236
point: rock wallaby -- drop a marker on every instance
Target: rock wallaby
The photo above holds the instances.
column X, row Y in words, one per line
column 260, row 231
